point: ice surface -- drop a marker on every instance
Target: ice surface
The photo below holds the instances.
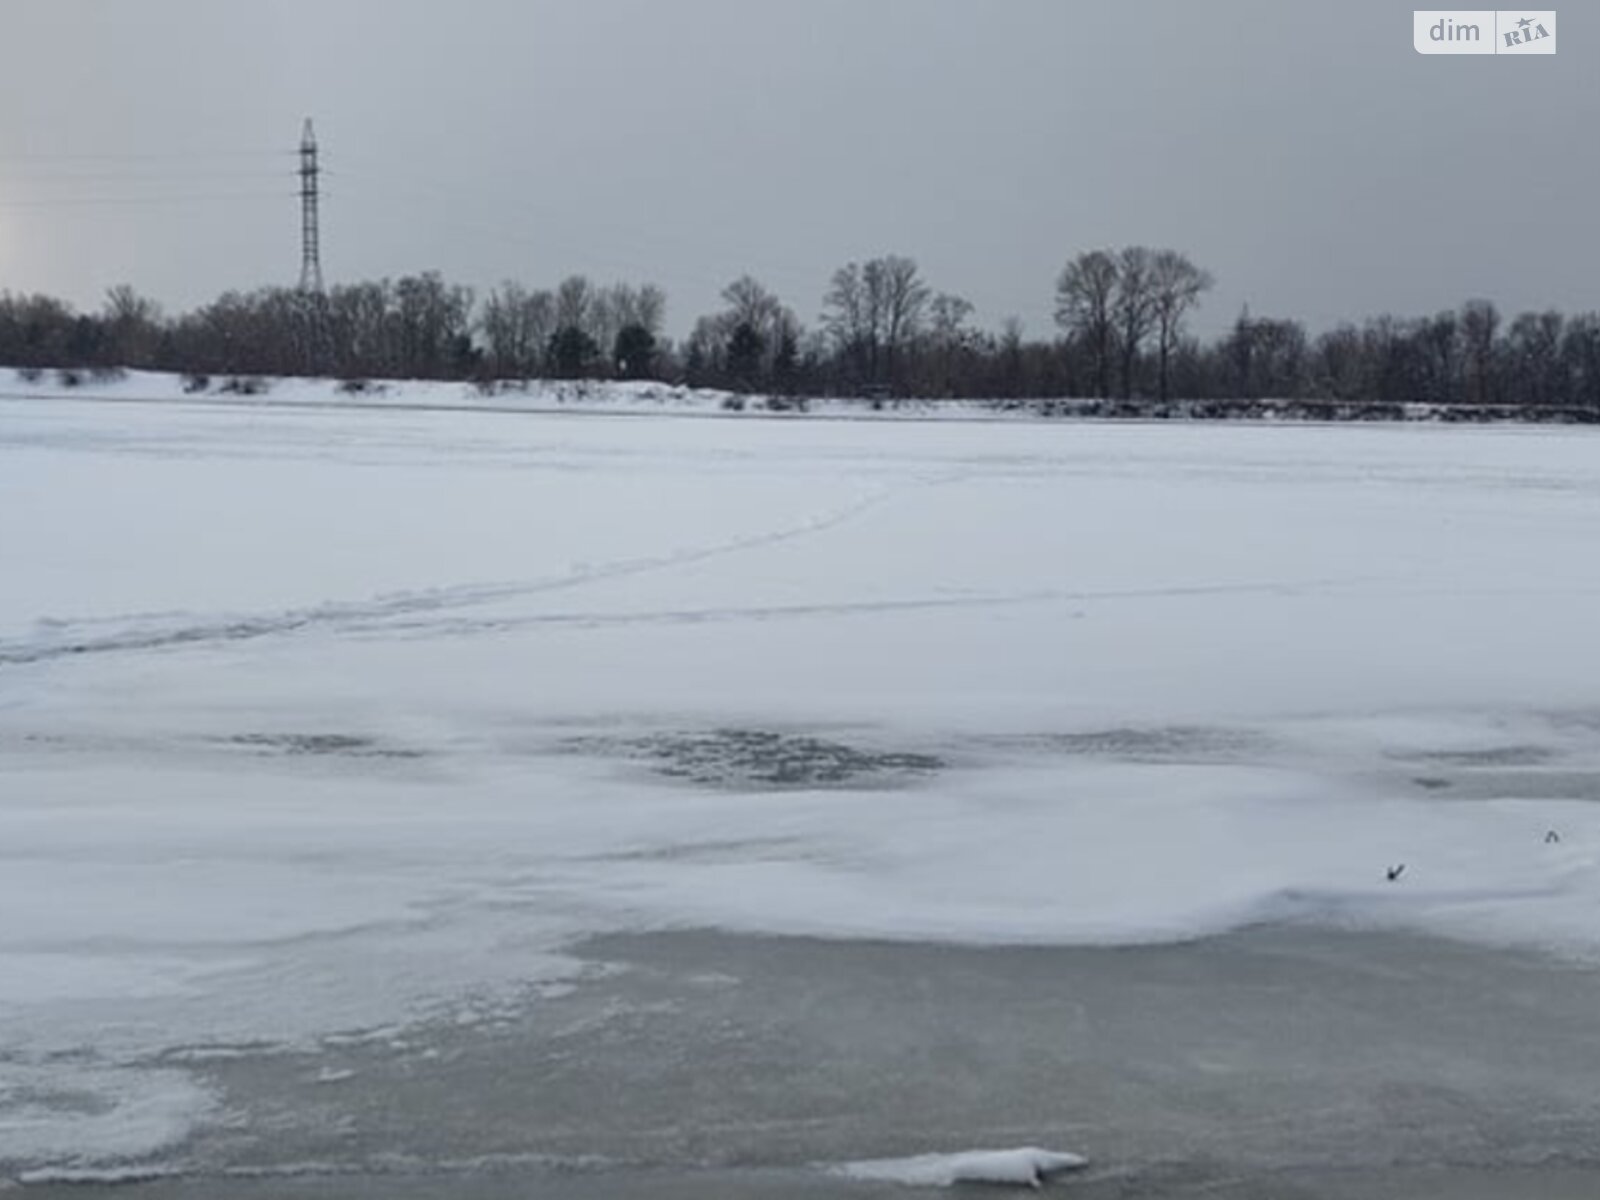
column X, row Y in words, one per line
column 314, row 719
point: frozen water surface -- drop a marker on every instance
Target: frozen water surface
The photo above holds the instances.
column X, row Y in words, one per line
column 1042, row 782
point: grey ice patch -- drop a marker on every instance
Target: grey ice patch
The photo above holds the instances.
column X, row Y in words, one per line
column 1510, row 784
column 1168, row 743
column 763, row 759
column 714, row 852
column 320, row 744
column 1579, row 724
column 1488, row 756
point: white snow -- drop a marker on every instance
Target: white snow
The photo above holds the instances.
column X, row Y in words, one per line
column 1025, row 1167
column 1180, row 679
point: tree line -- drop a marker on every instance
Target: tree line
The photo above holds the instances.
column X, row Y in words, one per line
column 883, row 331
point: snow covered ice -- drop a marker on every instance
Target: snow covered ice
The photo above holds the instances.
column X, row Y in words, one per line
column 314, row 720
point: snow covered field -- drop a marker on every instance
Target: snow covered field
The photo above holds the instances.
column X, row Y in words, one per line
column 316, row 721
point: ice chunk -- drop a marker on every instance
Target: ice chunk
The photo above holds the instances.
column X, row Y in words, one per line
column 1025, row 1167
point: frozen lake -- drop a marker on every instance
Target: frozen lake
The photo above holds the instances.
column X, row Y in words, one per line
column 567, row 805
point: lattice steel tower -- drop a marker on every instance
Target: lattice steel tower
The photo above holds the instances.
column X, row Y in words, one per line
column 310, row 240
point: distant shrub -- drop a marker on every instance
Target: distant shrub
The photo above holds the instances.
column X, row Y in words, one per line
column 733, row 403
column 107, row 374
column 357, row 387
column 244, row 385
column 29, row 374
column 787, row 404
column 196, row 383
column 69, row 377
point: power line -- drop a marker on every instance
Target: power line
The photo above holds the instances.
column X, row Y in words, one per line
column 136, row 201
column 169, row 156
column 638, row 252
column 132, row 177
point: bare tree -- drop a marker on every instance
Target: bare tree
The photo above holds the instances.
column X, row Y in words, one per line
column 849, row 320
column 873, row 311
column 948, row 315
column 1133, row 303
column 621, row 306
column 750, row 303
column 1011, row 348
column 433, row 321
column 1176, row 285
column 1340, row 365
column 1085, row 295
column 750, row 342
column 1439, row 348
column 1581, row 352
column 359, row 328
column 35, row 330
column 574, row 303
column 1533, row 346
column 646, row 307
column 901, row 298
column 516, row 325
column 132, row 326
column 1480, row 322
column 1268, row 357
column 949, row 339
column 636, row 314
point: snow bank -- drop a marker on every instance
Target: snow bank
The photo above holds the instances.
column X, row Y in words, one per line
column 1026, row 1167
column 536, row 396
column 640, row 397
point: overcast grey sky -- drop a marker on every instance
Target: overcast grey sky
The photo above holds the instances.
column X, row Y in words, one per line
column 1302, row 151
